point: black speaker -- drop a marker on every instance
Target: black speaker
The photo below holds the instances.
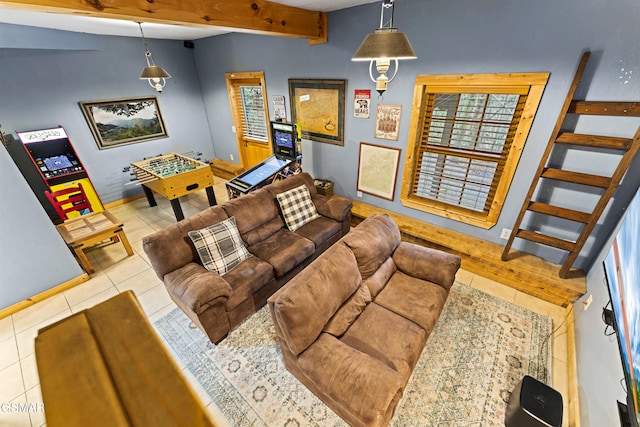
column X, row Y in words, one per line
column 534, row 404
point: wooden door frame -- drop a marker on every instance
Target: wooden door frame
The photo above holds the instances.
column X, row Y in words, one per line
column 237, row 121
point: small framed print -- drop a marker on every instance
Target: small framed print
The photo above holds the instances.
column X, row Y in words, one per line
column 388, row 121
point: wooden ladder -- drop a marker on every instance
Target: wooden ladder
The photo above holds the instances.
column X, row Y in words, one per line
column 608, row 184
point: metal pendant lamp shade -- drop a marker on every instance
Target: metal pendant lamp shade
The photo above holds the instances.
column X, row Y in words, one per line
column 153, row 73
column 384, row 43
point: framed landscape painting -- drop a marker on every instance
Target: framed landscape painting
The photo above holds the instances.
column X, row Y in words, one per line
column 125, row 121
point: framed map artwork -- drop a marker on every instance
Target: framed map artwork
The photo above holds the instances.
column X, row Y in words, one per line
column 377, row 170
column 318, row 107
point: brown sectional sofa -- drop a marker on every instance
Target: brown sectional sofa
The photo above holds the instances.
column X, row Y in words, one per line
column 353, row 324
column 217, row 303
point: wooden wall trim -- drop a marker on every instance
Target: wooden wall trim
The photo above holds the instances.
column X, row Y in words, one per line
column 12, row 309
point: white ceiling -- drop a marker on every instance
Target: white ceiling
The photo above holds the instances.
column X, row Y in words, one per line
column 116, row 27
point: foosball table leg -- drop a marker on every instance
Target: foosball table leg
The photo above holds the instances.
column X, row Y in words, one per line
column 211, row 195
column 177, row 209
column 149, row 194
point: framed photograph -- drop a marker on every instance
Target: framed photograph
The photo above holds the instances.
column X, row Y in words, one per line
column 318, row 106
column 388, row 121
column 377, row 170
column 116, row 122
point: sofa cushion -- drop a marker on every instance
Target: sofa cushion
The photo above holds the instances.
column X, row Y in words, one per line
column 297, row 207
column 283, row 250
column 372, row 242
column 349, row 312
column 413, row 298
column 388, row 337
column 219, row 246
column 304, row 306
column 378, row 280
column 320, row 230
column 246, row 279
column 256, row 215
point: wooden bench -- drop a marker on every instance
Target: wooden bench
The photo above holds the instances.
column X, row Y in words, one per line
column 105, row 366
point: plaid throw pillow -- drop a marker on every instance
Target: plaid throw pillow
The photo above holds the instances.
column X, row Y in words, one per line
column 220, row 246
column 297, row 207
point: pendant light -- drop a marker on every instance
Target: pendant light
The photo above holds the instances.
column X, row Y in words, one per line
column 154, row 74
column 386, row 44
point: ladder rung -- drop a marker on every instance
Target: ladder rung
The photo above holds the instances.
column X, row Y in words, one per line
column 559, row 212
column 597, row 141
column 546, row 240
column 577, row 177
column 603, row 108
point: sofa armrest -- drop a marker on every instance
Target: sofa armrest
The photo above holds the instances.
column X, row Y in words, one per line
column 428, row 264
column 362, row 385
column 197, row 287
column 336, row 207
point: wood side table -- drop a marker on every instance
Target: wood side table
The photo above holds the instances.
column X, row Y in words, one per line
column 82, row 232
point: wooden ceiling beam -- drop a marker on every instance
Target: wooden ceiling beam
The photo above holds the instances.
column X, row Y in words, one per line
column 253, row 16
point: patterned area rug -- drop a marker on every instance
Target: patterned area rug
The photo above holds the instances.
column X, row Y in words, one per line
column 480, row 349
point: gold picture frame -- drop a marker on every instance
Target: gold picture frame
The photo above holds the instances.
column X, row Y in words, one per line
column 377, row 170
column 318, row 107
column 116, row 122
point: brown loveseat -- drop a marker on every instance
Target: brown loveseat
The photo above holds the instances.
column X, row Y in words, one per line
column 218, row 302
column 353, row 324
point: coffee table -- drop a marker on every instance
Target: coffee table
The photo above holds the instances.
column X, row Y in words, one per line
column 83, row 232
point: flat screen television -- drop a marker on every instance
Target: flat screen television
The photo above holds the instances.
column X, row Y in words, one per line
column 622, row 273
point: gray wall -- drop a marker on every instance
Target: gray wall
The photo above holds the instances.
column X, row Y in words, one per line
column 485, row 36
column 28, row 235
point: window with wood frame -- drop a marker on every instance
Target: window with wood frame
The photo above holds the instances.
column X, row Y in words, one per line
column 466, row 136
column 248, row 100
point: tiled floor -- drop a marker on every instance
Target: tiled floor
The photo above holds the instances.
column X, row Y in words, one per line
column 115, row 272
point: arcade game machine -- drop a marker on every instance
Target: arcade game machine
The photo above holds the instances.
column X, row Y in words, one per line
column 54, row 166
column 284, row 162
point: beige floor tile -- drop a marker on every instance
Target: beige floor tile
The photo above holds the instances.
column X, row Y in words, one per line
column 534, row 304
column 14, row 417
column 97, row 284
column 8, row 352
column 43, row 310
column 94, row 300
column 6, row 328
column 126, row 269
column 492, row 287
column 29, row 371
column 11, row 385
column 25, row 339
column 34, row 395
column 140, row 283
column 465, row 277
column 155, row 299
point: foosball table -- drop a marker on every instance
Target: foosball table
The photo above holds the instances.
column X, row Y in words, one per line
column 173, row 176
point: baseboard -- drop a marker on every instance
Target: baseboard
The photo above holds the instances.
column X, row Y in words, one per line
column 123, row 201
column 572, row 371
column 12, row 309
